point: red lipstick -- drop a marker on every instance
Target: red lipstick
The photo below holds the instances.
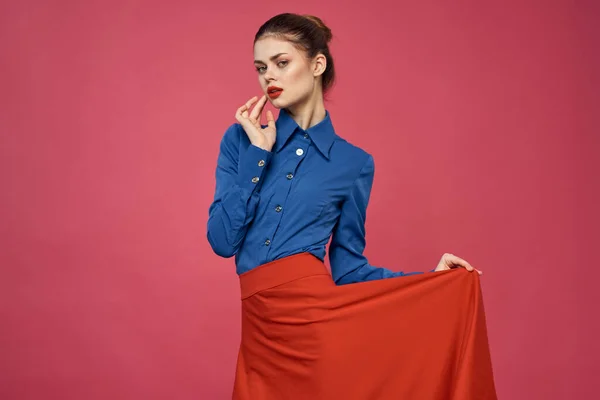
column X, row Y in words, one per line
column 273, row 91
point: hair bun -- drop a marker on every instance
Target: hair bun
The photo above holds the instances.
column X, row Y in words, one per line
column 319, row 23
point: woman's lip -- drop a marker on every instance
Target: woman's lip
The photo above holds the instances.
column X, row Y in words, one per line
column 275, row 95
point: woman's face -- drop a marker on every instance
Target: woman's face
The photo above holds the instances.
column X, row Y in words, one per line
column 280, row 65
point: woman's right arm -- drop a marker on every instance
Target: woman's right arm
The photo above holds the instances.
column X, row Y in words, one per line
column 239, row 176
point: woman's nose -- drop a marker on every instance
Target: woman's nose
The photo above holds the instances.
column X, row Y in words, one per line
column 268, row 75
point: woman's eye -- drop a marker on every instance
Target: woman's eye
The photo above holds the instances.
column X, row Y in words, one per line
column 281, row 64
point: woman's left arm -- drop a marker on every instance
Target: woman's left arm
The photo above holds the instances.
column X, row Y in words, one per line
column 348, row 264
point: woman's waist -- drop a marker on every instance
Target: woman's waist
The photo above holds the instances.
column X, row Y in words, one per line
column 280, row 271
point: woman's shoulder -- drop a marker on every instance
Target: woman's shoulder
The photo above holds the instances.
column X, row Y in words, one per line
column 350, row 153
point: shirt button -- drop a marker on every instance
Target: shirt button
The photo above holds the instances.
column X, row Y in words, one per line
column 267, row 242
column 289, row 176
column 261, row 163
column 278, row 208
column 306, row 135
column 255, row 179
column 299, row 152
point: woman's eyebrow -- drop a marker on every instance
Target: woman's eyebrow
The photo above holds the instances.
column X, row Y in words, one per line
column 272, row 58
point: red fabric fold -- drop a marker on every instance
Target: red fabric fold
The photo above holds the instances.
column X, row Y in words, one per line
column 416, row 337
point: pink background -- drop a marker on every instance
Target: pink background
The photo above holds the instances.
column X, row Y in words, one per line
column 482, row 117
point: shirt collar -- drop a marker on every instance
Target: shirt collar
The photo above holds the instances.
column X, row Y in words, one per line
column 322, row 134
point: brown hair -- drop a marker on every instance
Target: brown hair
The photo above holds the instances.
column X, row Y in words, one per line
column 306, row 32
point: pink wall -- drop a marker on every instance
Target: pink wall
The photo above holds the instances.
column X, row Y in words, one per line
column 483, row 120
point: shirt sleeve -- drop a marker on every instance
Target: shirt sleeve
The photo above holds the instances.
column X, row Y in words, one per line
column 239, row 176
column 348, row 264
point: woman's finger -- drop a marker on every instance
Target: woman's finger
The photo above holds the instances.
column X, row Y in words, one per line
column 247, row 105
column 270, row 119
column 243, row 110
column 459, row 261
column 255, row 115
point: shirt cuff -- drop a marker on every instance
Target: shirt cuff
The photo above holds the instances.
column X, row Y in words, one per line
column 252, row 166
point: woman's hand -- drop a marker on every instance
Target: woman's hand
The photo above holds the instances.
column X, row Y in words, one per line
column 260, row 137
column 450, row 261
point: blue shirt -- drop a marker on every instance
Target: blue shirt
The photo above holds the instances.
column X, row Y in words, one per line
column 270, row 204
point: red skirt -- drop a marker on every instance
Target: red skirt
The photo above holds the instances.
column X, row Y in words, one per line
column 420, row 337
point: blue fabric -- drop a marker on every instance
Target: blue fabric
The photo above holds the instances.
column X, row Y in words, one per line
column 270, row 204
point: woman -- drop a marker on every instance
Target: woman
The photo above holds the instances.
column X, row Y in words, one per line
column 285, row 189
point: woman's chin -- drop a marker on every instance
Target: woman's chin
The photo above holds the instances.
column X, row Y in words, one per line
column 277, row 103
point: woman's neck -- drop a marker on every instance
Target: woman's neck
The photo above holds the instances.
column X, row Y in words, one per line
column 308, row 113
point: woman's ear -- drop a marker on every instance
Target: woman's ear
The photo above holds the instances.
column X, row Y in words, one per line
column 319, row 64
